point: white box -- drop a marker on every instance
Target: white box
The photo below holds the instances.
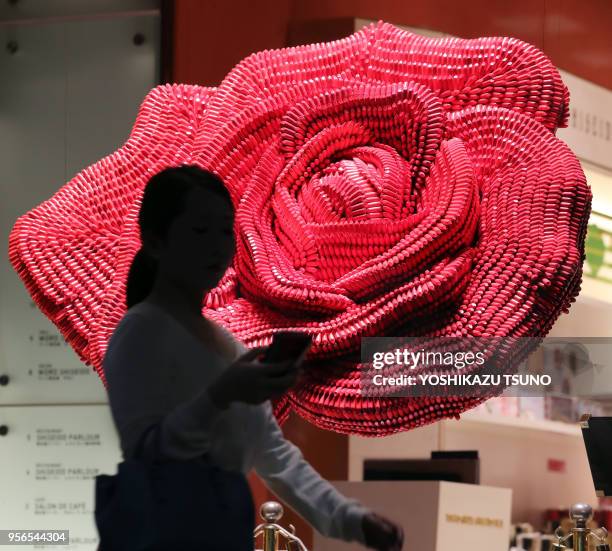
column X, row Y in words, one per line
column 435, row 516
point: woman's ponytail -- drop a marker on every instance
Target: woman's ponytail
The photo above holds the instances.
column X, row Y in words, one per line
column 141, row 278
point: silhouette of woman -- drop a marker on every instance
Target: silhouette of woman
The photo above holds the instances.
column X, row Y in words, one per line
column 167, row 363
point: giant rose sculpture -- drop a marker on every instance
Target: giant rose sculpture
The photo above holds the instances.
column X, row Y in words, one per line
column 383, row 183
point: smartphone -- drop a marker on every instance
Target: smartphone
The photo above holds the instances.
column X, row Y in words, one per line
column 288, row 345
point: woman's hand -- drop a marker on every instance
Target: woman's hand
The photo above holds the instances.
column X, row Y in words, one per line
column 251, row 381
column 381, row 533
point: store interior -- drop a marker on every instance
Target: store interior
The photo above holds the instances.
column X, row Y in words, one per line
column 68, row 64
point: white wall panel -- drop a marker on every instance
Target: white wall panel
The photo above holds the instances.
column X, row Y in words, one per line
column 70, row 94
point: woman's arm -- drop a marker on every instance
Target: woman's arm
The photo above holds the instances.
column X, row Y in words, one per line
column 285, row 471
column 137, row 366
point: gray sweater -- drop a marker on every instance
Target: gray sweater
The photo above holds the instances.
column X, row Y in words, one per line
column 157, row 370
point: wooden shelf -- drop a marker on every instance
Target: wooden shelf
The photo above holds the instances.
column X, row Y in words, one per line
column 519, row 423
